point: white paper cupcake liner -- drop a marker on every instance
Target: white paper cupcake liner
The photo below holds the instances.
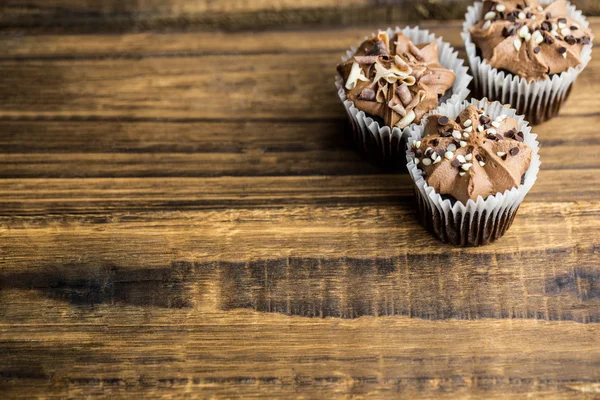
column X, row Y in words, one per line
column 476, row 222
column 538, row 100
column 385, row 145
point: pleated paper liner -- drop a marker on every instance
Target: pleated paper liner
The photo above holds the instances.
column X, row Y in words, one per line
column 385, row 146
column 537, row 100
column 477, row 222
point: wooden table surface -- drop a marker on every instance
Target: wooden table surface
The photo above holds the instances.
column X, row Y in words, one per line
column 182, row 216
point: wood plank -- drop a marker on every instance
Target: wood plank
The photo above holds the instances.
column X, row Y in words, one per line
column 189, row 87
column 228, row 229
column 240, row 354
column 129, row 149
column 225, row 192
column 276, row 86
column 74, row 15
column 196, row 43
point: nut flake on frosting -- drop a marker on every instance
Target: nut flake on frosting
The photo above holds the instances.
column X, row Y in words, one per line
column 487, row 161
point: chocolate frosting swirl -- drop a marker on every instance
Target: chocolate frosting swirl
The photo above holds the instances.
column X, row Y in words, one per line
column 394, row 79
column 528, row 39
column 473, row 155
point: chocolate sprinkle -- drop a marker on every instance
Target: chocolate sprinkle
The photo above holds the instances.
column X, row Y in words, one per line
column 548, row 15
column 562, row 20
column 478, row 157
column 418, row 153
column 446, row 134
column 499, row 137
column 548, row 39
column 484, row 119
column 443, row 120
column 570, row 39
column 455, row 163
column 537, row 49
column 441, row 152
column 585, row 40
column 504, row 157
column 546, row 26
column 562, row 50
column 514, row 151
column 510, row 133
column 574, row 28
column 435, row 142
column 529, row 15
column 491, row 136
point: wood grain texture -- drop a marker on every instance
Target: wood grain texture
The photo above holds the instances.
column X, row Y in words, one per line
column 231, row 15
column 175, row 223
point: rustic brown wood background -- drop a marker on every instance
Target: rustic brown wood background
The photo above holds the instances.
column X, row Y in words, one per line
column 182, row 216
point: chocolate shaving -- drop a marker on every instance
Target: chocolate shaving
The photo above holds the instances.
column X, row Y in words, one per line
column 381, row 93
column 574, row 28
column 401, row 63
column 397, row 107
column 455, row 163
column 404, row 94
column 548, row 39
column 441, row 152
column 415, row 100
column 504, row 157
column 537, row 49
column 378, row 49
column 514, row 151
column 548, row 15
column 585, row 40
column 415, row 51
column 435, row 142
column 484, row 119
column 446, row 134
column 562, row 50
column 418, row 153
column 499, row 137
column 366, row 59
column 478, row 157
column 443, row 120
column 367, row 94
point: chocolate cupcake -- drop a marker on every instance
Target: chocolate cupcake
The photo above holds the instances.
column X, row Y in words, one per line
column 391, row 81
column 472, row 165
column 527, row 53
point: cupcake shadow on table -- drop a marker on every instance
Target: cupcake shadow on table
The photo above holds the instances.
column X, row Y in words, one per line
column 390, row 82
column 527, row 54
column 472, row 165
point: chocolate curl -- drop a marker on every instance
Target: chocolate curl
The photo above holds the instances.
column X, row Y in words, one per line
column 404, row 94
column 399, row 108
column 416, row 100
column 367, row 94
column 381, row 93
column 418, row 72
column 400, row 63
column 415, row 51
column 383, row 37
column 366, row 59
